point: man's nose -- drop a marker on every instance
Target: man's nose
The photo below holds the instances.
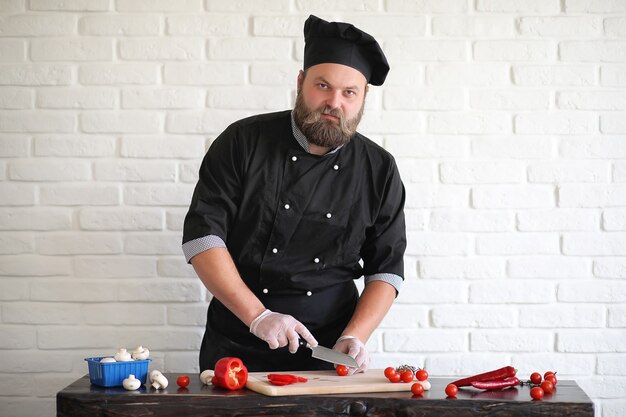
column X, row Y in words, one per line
column 334, row 100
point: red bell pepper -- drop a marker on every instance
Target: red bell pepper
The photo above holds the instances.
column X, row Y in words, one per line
column 497, row 374
column 230, row 373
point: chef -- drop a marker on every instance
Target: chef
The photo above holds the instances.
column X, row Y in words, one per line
column 290, row 208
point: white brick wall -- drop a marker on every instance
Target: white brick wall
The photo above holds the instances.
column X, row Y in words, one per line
column 507, row 119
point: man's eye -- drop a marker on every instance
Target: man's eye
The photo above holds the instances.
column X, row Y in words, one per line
column 322, row 85
column 350, row 93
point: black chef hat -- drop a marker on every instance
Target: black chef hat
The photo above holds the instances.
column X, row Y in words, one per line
column 342, row 43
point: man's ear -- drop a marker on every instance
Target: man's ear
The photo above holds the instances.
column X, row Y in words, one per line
column 299, row 81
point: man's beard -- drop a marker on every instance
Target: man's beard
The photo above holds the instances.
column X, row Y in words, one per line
column 321, row 131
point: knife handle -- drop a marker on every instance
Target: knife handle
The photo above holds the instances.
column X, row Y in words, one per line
column 301, row 342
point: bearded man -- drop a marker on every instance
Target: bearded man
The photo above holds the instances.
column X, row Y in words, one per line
column 291, row 208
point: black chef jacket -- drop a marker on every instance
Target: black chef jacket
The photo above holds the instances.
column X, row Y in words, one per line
column 300, row 229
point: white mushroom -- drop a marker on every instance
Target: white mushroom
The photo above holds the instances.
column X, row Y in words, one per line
column 140, row 353
column 159, row 381
column 206, row 376
column 123, row 356
column 107, row 360
column 131, row 383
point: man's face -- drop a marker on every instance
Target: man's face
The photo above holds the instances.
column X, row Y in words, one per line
column 330, row 103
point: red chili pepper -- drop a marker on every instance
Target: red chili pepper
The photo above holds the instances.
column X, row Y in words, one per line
column 230, row 373
column 495, row 375
column 496, row 384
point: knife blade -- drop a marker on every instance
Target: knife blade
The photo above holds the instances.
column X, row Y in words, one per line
column 329, row 355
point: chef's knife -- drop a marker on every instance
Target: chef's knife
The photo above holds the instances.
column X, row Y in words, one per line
column 329, row 355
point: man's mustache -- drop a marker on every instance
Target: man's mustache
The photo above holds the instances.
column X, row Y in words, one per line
column 332, row 112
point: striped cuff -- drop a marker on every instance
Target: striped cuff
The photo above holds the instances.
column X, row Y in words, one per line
column 194, row 247
column 391, row 279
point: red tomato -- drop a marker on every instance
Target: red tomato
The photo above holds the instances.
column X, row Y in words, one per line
column 547, row 373
column 395, row 377
column 551, row 378
column 451, row 390
column 536, row 393
column 421, row 375
column 407, row 376
column 417, row 389
column 547, row 387
column 535, row 378
column 182, row 381
column 389, row 371
column 342, row 370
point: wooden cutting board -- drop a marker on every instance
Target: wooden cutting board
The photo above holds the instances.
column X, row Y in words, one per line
column 326, row 382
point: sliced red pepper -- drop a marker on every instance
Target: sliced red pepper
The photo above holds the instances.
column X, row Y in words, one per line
column 280, row 383
column 285, row 379
column 497, row 384
column 497, row 374
column 230, row 373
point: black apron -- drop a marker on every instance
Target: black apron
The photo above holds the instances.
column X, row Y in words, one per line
column 255, row 353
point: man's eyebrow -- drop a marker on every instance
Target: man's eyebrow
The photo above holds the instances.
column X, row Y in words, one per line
column 325, row 81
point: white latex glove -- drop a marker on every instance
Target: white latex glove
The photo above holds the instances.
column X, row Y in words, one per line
column 280, row 330
column 355, row 348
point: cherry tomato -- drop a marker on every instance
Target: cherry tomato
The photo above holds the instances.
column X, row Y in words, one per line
column 182, row 381
column 547, row 387
column 407, row 376
column 551, row 378
column 395, row 377
column 417, row 389
column 342, row 370
column 535, row 378
column 451, row 390
column 547, row 373
column 390, row 371
column 536, row 393
column 421, row 375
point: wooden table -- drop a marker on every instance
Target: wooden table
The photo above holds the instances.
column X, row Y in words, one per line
column 81, row 398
